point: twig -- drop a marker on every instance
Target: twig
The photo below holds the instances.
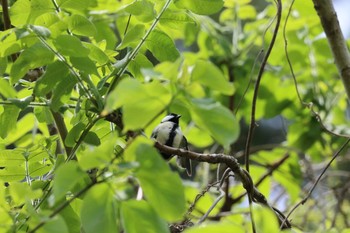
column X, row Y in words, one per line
column 257, row 84
column 302, row 202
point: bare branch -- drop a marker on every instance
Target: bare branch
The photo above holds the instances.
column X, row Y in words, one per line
column 331, row 27
column 233, row 164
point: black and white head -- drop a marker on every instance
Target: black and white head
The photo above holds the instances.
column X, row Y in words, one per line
column 172, row 117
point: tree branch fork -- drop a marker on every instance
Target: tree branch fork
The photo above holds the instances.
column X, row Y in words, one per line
column 239, row 172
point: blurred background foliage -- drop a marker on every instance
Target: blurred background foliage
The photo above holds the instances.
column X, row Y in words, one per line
column 84, row 82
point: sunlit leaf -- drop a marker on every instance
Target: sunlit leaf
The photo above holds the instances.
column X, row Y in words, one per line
column 218, row 120
column 80, row 25
column 143, row 10
column 209, row 75
column 202, row 7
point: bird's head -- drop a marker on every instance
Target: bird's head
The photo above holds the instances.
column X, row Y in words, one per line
column 172, row 117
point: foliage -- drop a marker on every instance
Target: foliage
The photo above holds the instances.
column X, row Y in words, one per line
column 84, row 82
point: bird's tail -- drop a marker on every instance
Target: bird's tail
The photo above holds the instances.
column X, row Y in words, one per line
column 185, row 163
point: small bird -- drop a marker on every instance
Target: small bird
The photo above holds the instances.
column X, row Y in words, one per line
column 168, row 133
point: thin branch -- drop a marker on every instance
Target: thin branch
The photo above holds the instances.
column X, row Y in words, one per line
column 302, row 202
column 257, row 84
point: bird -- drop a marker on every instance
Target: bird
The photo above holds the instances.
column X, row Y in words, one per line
column 169, row 133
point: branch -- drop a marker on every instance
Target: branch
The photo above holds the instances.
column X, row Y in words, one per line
column 257, row 84
column 331, row 27
column 232, row 163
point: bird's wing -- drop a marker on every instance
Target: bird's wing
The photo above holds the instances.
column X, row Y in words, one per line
column 184, row 162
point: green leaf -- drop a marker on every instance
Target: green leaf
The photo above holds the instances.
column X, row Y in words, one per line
column 80, row 25
column 54, row 73
column 209, row 75
column 6, row 89
column 54, row 225
column 218, row 227
column 133, row 36
column 35, row 56
column 40, row 30
column 74, row 134
column 19, row 12
column 61, row 93
column 217, row 120
column 143, row 10
column 201, row 7
column 147, row 219
column 71, row 218
column 96, row 54
column 137, row 99
column 84, row 64
column 100, row 155
column 78, row 5
column 99, row 210
column 157, row 41
column 164, row 192
column 92, row 139
column 70, row 46
column 138, row 64
column 39, row 7
column 266, row 220
column 8, row 120
column 3, row 66
column 78, row 179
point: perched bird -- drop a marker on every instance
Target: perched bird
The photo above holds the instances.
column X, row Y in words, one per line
column 168, row 133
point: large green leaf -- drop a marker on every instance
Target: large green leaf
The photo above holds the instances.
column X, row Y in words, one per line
column 202, row 7
column 209, row 75
column 217, row 119
column 35, row 56
column 99, row 210
column 147, row 219
column 146, row 100
column 162, row 46
column 162, row 188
